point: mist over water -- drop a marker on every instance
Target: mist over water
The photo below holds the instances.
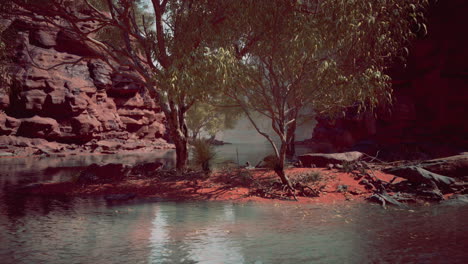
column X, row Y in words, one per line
column 245, row 133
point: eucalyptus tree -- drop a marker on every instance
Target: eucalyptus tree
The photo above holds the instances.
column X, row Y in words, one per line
column 210, row 119
column 322, row 56
column 166, row 43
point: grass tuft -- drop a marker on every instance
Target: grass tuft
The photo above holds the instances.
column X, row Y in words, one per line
column 203, row 154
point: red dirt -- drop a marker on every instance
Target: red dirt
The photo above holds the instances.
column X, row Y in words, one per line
column 213, row 189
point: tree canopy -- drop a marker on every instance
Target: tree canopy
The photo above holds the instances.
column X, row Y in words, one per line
column 321, row 55
column 208, row 119
column 274, row 57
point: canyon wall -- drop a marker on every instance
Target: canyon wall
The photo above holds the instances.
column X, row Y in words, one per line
column 429, row 113
column 59, row 92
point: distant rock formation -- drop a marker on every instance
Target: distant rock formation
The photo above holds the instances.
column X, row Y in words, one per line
column 430, row 101
column 61, row 92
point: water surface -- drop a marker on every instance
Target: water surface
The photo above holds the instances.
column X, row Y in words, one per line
column 90, row 230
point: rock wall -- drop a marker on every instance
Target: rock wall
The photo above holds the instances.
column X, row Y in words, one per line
column 60, row 92
column 430, row 102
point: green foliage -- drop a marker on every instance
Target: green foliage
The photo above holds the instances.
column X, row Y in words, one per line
column 203, row 154
column 210, row 119
column 322, row 56
column 273, row 57
column 329, row 55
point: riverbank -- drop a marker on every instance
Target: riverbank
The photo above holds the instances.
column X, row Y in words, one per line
column 241, row 185
column 341, row 177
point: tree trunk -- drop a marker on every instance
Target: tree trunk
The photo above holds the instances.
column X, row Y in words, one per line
column 180, row 143
column 279, row 168
column 179, row 135
column 291, row 138
column 291, row 148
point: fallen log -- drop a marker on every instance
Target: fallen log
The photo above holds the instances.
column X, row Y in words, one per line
column 417, row 174
column 385, row 198
column 453, row 166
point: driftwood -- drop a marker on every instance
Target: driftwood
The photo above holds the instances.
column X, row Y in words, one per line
column 417, row 174
column 454, row 166
column 385, row 198
column 422, row 180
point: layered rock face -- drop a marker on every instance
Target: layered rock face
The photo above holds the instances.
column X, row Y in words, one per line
column 430, row 101
column 60, row 92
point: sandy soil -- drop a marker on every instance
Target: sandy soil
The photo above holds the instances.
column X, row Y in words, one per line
column 216, row 187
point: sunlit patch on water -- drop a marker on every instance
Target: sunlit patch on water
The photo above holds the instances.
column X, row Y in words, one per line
column 89, row 231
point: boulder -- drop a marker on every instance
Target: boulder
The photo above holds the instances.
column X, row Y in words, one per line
column 39, row 127
column 322, row 159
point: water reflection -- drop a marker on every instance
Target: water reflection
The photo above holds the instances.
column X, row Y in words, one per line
column 89, row 231
column 174, row 242
column 252, row 153
column 35, row 169
column 265, row 234
column 21, row 171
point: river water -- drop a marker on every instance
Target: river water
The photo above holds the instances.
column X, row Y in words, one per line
column 90, row 230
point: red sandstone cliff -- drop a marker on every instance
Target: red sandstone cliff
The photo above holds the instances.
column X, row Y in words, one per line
column 429, row 115
column 60, row 92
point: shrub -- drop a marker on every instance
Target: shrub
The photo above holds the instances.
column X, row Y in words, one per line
column 309, row 177
column 236, row 178
column 203, row 154
column 348, row 166
column 271, row 162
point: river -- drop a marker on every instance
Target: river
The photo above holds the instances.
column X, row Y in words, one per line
column 90, row 230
